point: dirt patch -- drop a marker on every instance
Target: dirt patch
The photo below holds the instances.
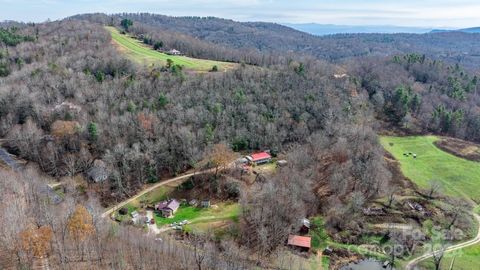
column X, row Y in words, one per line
column 459, row 148
column 61, row 128
column 398, row 179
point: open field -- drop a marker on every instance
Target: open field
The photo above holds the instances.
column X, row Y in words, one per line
column 463, row 259
column 194, row 215
column 142, row 53
column 459, row 177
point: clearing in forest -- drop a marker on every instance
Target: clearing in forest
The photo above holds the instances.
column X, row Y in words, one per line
column 459, row 177
column 142, row 53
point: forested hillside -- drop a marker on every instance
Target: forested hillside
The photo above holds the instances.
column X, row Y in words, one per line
column 70, row 99
column 454, row 47
column 79, row 100
column 419, row 94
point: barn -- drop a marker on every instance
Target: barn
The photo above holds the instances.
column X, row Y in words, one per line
column 259, row 158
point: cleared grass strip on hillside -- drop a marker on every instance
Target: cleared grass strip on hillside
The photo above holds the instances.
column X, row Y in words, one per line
column 142, row 53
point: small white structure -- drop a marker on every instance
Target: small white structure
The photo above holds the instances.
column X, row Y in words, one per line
column 282, row 163
column 340, row 76
column 174, row 52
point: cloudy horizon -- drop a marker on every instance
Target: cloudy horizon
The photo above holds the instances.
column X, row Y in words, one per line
column 410, row 13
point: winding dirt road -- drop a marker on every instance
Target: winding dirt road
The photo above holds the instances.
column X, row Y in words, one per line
column 143, row 192
column 411, row 264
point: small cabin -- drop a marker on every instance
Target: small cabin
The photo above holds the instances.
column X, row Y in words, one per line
column 305, row 228
column 174, row 52
column 205, row 203
column 303, row 243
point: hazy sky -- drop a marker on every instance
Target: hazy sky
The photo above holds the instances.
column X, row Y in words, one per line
column 426, row 13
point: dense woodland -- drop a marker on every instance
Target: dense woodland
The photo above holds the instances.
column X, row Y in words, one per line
column 268, row 38
column 68, row 98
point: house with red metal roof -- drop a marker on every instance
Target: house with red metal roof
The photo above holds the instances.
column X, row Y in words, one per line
column 259, row 158
column 302, row 242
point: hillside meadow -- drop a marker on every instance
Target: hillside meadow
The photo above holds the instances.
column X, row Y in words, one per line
column 459, row 177
column 141, row 53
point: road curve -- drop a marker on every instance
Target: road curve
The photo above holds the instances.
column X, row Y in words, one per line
column 411, row 264
column 143, row 192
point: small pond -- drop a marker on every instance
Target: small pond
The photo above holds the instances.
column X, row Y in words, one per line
column 368, row 264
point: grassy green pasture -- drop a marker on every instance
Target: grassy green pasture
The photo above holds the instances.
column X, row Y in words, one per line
column 224, row 211
column 463, row 259
column 142, row 53
column 459, row 177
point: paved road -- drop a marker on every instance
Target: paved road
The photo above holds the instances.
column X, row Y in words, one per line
column 7, row 159
column 411, row 264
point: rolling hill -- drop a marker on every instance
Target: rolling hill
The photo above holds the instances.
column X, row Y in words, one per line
column 142, row 53
column 472, row 30
column 279, row 39
column 331, row 29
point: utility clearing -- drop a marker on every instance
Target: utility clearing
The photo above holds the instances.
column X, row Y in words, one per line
column 143, row 54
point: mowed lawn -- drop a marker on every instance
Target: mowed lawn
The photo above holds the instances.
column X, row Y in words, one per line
column 144, row 54
column 222, row 211
column 459, row 177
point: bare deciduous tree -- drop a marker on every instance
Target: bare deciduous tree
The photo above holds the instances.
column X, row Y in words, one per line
column 434, row 187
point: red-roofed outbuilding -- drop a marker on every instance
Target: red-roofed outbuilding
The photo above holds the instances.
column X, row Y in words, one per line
column 303, row 242
column 259, row 158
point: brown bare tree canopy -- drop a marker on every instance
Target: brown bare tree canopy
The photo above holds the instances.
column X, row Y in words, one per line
column 36, row 240
column 221, row 155
column 80, row 224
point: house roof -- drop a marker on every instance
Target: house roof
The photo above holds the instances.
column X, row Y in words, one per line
column 168, row 205
column 98, row 174
column 306, row 222
column 299, row 241
column 260, row 156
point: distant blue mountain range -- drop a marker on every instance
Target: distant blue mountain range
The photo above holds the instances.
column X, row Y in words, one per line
column 330, row 29
column 466, row 30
